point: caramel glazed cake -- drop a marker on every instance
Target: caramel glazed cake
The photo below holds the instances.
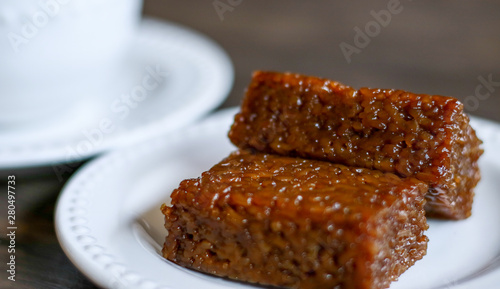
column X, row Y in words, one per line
column 425, row 136
column 298, row 223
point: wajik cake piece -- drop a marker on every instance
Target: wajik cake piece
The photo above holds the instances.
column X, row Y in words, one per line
column 425, row 136
column 297, row 223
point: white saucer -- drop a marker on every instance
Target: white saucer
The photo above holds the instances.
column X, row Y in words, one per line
column 109, row 224
column 195, row 76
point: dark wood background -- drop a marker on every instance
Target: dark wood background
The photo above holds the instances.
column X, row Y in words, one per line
column 436, row 47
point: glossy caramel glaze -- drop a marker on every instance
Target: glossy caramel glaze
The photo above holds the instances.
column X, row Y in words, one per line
column 425, row 136
column 297, row 223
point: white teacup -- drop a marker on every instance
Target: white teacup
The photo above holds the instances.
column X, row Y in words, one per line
column 56, row 52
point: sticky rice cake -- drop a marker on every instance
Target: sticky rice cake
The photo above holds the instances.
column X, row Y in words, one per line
column 425, row 136
column 297, row 223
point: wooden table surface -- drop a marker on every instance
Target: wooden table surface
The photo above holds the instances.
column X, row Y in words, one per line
column 448, row 48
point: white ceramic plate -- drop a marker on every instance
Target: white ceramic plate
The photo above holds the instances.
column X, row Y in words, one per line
column 109, row 223
column 172, row 77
